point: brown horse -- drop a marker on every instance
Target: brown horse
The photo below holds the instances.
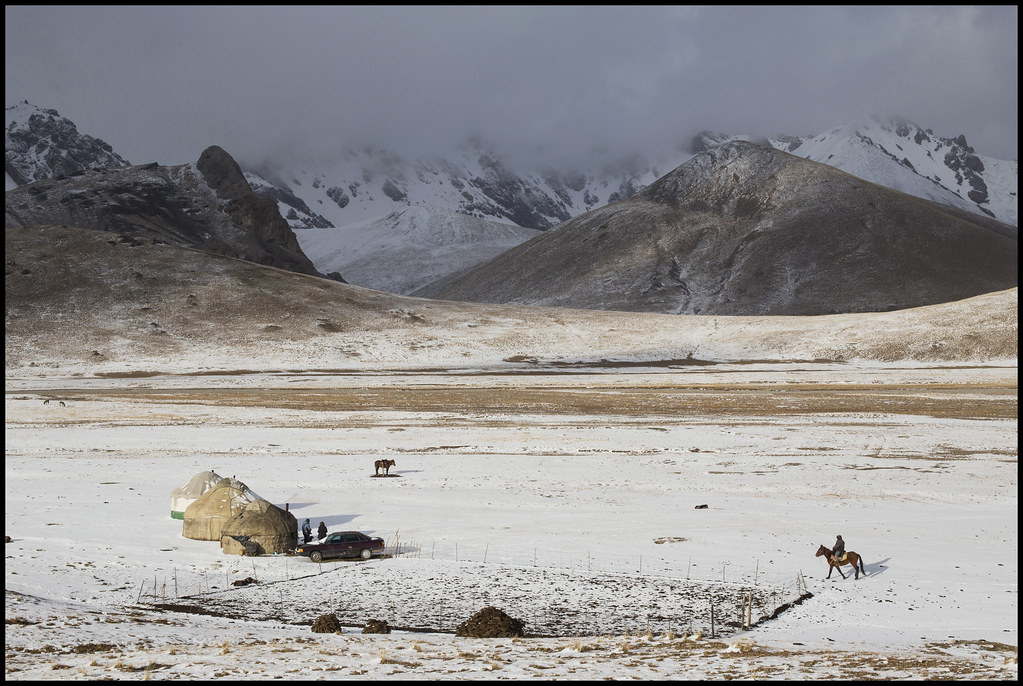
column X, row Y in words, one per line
column 384, row 465
column 850, row 558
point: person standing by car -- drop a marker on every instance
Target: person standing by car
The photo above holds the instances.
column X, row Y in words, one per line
column 321, row 533
column 307, row 531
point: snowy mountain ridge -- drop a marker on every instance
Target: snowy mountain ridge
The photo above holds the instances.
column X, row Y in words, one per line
column 371, row 183
column 41, row 144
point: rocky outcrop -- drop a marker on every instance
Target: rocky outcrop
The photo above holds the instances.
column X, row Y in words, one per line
column 209, row 207
column 515, row 198
column 41, row 144
column 254, row 215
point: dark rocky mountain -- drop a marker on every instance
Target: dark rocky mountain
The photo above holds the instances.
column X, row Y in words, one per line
column 208, row 206
column 746, row 229
column 41, row 144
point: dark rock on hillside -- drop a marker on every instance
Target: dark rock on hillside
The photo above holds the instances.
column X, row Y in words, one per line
column 744, row 229
column 214, row 210
column 515, row 198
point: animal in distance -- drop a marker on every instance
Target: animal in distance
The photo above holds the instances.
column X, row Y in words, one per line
column 384, row 465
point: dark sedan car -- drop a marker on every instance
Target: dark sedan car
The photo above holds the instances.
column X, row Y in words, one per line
column 342, row 544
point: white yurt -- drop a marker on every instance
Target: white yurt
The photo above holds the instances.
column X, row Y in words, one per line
column 206, row 517
column 187, row 493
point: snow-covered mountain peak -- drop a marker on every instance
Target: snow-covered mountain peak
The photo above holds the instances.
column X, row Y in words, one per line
column 902, row 155
column 41, row 144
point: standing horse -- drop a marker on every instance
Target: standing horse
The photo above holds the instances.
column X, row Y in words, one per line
column 384, row 465
column 851, row 558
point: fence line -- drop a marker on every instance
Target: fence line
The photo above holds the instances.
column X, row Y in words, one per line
column 179, row 586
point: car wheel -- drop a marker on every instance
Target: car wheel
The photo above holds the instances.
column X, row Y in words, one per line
column 366, row 553
column 316, row 556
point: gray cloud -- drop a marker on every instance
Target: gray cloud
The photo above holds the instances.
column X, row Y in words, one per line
column 162, row 83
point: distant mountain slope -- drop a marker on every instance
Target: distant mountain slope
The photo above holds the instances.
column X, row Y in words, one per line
column 41, row 144
column 410, row 248
column 208, row 205
column 369, row 183
column 98, row 306
column 745, row 229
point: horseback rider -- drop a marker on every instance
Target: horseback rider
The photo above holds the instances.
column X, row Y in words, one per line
column 839, row 550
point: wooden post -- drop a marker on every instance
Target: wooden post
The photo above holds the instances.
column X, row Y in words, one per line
column 756, row 574
column 712, row 618
column 749, row 618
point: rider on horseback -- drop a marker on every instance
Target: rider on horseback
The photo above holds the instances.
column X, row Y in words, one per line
column 839, row 549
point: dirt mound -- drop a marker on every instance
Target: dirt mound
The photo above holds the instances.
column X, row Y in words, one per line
column 490, row 623
column 326, row 624
column 376, row 626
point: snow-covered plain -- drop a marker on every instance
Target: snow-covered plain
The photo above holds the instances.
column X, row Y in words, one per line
column 566, row 498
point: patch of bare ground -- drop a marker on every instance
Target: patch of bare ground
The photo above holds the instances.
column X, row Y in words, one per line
column 958, row 401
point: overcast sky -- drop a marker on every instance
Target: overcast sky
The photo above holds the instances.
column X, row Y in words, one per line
column 163, row 83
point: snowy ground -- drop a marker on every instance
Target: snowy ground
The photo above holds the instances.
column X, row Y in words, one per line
column 566, row 500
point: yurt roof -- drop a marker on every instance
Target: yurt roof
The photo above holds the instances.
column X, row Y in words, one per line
column 197, row 485
column 225, row 499
column 260, row 516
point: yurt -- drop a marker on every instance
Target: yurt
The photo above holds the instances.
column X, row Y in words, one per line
column 206, row 517
column 187, row 493
column 272, row 529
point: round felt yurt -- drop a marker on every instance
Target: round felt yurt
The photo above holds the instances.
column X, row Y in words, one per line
column 187, row 493
column 205, row 518
column 272, row 529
